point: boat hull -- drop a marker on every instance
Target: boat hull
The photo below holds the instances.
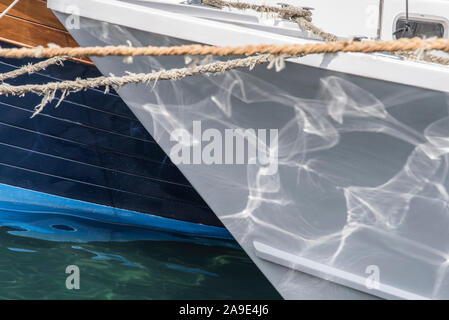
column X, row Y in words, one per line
column 359, row 187
column 94, row 153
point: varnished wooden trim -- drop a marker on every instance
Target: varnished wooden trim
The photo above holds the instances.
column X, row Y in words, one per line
column 34, row 11
column 30, row 34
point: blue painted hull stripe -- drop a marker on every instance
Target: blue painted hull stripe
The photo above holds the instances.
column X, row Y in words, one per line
column 24, row 200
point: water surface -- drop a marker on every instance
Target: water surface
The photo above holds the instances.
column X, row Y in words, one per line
column 119, row 262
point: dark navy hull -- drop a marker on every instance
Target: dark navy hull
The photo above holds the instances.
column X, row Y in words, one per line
column 91, row 148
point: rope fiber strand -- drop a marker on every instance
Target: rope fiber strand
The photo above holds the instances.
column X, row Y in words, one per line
column 286, row 12
column 32, row 68
column 49, row 90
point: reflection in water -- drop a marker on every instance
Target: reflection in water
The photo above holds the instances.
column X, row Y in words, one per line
column 119, row 262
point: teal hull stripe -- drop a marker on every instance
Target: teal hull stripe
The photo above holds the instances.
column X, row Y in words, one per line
column 24, row 200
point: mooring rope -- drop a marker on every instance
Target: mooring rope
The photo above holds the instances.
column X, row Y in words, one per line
column 248, row 50
column 302, row 16
column 421, row 55
column 49, row 90
column 32, row 68
column 303, row 23
column 286, row 12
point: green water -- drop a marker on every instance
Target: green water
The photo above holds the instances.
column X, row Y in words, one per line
column 117, row 262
